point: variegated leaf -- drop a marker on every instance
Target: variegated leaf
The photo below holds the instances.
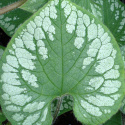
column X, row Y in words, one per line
column 61, row 50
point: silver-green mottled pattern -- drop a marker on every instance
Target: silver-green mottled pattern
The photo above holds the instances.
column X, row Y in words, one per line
column 123, row 57
column 2, row 117
column 93, row 6
column 110, row 12
column 10, row 21
column 61, row 50
column 123, row 53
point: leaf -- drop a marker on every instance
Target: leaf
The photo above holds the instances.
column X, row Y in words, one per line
column 116, row 23
column 33, row 5
column 92, row 7
column 115, row 120
column 1, row 51
column 2, row 117
column 111, row 12
column 123, row 54
column 122, row 47
column 10, row 21
column 61, row 50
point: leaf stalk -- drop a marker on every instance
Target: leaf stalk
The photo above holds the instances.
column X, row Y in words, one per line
column 11, row 6
column 57, row 109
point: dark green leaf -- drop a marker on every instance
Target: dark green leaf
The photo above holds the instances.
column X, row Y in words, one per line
column 115, row 120
column 2, row 117
column 1, row 51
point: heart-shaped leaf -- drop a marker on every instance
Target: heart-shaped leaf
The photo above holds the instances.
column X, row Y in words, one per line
column 10, row 21
column 61, row 50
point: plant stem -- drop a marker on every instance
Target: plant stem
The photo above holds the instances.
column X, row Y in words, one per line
column 123, row 119
column 57, row 109
column 11, row 6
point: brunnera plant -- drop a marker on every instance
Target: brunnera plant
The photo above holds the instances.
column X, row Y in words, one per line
column 61, row 50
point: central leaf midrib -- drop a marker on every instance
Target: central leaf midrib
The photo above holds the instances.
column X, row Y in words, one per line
column 44, row 68
column 61, row 43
